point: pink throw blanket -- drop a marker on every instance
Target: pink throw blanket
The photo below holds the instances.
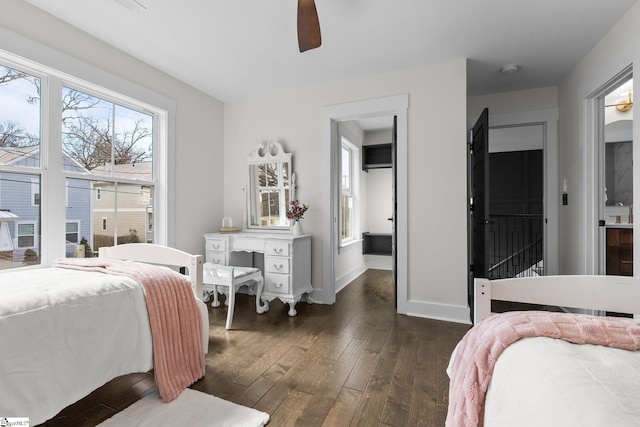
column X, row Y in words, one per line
column 178, row 356
column 480, row 348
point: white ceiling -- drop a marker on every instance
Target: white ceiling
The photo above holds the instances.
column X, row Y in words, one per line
column 238, row 49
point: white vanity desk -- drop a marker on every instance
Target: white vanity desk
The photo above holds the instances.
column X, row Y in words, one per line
column 287, row 263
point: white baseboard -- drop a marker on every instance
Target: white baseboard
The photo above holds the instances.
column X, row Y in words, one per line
column 348, row 277
column 449, row 313
column 320, row 296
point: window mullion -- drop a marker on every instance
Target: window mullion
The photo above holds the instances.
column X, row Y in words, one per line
column 53, row 183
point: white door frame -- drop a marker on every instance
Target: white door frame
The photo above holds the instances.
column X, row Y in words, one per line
column 392, row 105
column 593, row 172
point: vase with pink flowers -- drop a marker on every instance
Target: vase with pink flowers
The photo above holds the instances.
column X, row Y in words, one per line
column 295, row 213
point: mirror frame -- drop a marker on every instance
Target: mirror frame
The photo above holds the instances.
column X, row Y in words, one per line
column 267, row 152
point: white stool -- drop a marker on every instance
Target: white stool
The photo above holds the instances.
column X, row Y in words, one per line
column 226, row 279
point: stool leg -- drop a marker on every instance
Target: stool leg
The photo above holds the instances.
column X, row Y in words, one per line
column 232, row 303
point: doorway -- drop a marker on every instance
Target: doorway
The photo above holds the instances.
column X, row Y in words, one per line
column 522, row 191
column 614, row 186
column 333, row 116
column 365, row 179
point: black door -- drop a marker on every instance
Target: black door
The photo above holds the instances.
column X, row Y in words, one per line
column 478, row 181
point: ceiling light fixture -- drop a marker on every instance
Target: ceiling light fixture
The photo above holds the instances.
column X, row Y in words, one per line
column 625, row 105
column 132, row 5
column 509, row 69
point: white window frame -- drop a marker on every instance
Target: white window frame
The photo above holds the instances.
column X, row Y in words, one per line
column 347, row 142
column 18, row 235
column 61, row 69
column 77, row 230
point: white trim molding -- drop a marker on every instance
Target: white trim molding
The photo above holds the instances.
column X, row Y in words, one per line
column 392, row 105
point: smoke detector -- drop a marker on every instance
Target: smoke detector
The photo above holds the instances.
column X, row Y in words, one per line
column 509, row 69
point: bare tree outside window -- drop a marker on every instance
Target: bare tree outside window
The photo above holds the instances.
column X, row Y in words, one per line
column 99, row 133
column 19, row 109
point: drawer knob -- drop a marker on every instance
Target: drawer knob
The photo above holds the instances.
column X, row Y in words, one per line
column 277, row 250
column 216, row 246
column 278, row 267
column 278, row 285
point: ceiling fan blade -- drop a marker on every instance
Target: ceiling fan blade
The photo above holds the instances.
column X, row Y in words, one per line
column 308, row 26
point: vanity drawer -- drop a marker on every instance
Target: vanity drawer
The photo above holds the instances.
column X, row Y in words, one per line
column 276, row 265
column 217, row 257
column 277, row 248
column 277, row 283
column 216, row 245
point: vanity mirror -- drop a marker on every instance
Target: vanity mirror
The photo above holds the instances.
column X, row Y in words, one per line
column 270, row 186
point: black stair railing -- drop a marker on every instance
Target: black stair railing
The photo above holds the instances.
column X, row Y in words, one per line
column 515, row 245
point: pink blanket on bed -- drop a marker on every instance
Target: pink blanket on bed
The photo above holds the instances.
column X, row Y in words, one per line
column 480, row 348
column 178, row 356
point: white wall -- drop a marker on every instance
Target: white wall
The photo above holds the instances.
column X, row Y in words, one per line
column 513, row 102
column 198, row 133
column 437, row 260
column 618, row 49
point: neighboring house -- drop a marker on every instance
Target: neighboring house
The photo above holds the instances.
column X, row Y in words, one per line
column 20, row 195
column 134, row 203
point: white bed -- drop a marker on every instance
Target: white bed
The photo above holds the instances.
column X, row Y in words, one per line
column 67, row 332
column 547, row 381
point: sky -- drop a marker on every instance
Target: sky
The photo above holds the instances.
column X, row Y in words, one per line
column 14, row 105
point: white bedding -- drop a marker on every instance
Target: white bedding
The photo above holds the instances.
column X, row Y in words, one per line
column 65, row 333
column 550, row 382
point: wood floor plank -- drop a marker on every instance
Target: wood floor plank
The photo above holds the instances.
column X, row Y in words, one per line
column 262, row 385
column 361, row 373
column 344, row 408
column 423, row 410
column 369, row 410
column 289, row 413
column 396, row 409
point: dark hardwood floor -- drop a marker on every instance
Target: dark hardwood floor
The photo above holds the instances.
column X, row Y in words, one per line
column 354, row 363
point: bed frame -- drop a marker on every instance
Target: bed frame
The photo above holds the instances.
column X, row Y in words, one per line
column 607, row 293
column 160, row 255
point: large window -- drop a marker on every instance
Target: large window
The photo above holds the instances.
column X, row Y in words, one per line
column 63, row 179
column 112, row 144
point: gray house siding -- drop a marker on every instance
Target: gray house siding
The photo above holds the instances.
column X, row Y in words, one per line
column 20, row 193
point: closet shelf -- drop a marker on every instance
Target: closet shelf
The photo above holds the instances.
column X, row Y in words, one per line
column 376, row 243
column 376, row 156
